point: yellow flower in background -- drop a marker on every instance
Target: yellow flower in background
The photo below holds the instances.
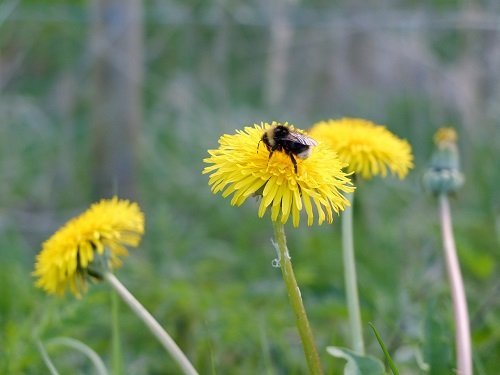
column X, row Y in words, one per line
column 105, row 229
column 241, row 166
column 367, row 148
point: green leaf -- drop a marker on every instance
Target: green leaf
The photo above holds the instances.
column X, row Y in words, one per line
column 357, row 364
column 480, row 264
column 388, row 358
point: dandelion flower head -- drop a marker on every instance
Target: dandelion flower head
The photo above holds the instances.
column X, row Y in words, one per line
column 367, row 148
column 242, row 166
column 105, row 229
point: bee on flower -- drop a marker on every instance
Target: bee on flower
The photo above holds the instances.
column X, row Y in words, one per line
column 292, row 173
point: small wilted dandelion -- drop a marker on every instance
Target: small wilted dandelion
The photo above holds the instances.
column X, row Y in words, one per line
column 445, row 135
column 242, row 166
column 444, row 174
column 367, row 148
column 444, row 177
column 104, row 230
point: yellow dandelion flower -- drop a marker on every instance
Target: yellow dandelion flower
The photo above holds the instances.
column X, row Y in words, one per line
column 109, row 225
column 241, row 166
column 367, row 148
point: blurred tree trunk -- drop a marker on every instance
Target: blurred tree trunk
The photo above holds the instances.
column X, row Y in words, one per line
column 281, row 34
column 220, row 54
column 116, row 58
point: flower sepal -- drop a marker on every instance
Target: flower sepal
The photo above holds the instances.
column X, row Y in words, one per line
column 443, row 176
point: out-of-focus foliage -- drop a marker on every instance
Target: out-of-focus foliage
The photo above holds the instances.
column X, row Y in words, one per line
column 204, row 268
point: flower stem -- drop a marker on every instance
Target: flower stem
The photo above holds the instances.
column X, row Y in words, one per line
column 295, row 298
column 151, row 323
column 351, row 286
column 46, row 358
column 463, row 343
column 116, row 357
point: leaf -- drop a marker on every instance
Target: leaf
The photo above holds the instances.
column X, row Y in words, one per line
column 388, row 358
column 357, row 364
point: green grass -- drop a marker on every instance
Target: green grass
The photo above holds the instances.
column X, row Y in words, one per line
column 204, row 267
column 204, row 270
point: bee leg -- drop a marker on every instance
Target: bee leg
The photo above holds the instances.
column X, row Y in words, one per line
column 294, row 163
column 270, row 154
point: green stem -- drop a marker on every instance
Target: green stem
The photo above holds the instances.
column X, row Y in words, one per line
column 99, row 367
column 295, row 298
column 463, row 343
column 116, row 358
column 351, row 284
column 151, row 323
column 46, row 358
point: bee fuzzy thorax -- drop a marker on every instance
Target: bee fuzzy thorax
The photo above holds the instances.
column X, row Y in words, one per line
column 285, row 139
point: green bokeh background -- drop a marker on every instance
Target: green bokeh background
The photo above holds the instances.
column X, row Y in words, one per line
column 204, row 267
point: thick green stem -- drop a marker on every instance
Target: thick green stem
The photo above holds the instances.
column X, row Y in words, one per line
column 295, row 298
column 463, row 343
column 151, row 323
column 351, row 284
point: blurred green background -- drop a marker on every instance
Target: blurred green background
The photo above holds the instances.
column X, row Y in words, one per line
column 106, row 96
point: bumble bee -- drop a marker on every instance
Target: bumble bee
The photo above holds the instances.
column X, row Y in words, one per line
column 282, row 138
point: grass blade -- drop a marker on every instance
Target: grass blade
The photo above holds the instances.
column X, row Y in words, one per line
column 391, row 363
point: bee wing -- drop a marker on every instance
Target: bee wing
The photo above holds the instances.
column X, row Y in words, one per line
column 301, row 138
